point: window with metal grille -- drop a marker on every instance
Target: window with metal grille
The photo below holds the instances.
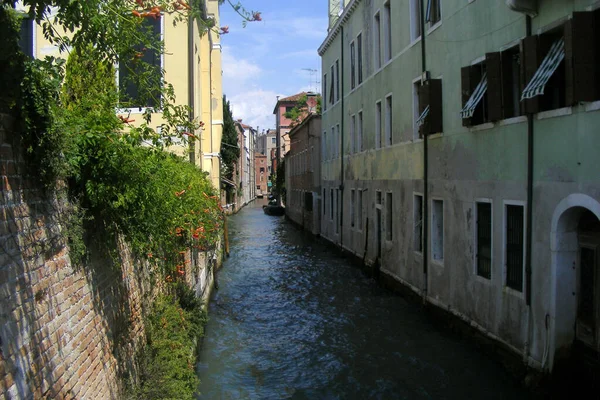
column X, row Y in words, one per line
column 359, row 51
column 437, row 230
column 514, row 247
column 352, row 66
column 484, row 240
column 388, row 217
column 308, row 201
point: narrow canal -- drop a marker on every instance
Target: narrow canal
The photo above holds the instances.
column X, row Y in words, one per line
column 293, row 320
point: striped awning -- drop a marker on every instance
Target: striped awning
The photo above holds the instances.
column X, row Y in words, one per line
column 553, row 59
column 476, row 96
column 421, row 119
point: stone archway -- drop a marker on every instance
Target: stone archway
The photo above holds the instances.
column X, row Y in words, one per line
column 564, row 246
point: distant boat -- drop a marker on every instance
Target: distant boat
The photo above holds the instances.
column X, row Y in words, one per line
column 274, row 210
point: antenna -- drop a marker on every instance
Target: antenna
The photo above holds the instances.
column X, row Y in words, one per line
column 313, row 74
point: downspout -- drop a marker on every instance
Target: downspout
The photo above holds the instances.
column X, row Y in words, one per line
column 342, row 140
column 529, row 211
column 192, row 151
column 425, row 167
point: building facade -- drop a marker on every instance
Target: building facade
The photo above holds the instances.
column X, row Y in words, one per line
column 458, row 153
column 192, row 66
column 303, row 174
column 261, row 166
column 266, row 143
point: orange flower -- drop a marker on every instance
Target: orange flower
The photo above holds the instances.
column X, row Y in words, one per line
column 135, row 13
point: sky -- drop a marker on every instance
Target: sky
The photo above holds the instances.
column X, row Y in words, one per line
column 271, row 57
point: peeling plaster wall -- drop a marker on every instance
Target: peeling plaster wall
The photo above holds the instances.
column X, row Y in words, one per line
column 465, row 164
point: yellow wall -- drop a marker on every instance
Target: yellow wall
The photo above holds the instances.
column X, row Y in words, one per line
column 207, row 81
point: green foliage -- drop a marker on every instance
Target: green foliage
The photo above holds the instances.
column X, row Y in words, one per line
column 300, row 110
column 280, row 180
column 12, row 59
column 230, row 150
column 173, row 328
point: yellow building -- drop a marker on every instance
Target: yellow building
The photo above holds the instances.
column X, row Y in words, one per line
column 192, row 64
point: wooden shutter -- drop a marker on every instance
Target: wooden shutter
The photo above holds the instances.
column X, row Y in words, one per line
column 580, row 63
column 423, row 103
column 435, row 106
column 530, row 61
column 467, row 89
column 494, row 89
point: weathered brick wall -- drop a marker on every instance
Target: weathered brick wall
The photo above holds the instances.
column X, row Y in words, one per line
column 65, row 332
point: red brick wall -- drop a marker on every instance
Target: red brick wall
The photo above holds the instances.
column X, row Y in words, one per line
column 65, row 332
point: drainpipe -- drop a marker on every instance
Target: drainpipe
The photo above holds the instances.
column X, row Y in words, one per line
column 342, row 140
column 192, row 153
column 529, row 216
column 529, row 194
column 425, row 168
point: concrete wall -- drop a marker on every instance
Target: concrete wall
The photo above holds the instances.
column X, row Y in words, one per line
column 68, row 332
column 466, row 164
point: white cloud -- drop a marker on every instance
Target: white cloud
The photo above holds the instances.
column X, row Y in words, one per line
column 254, row 107
column 238, row 72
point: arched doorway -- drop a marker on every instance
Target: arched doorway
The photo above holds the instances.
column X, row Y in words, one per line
column 575, row 246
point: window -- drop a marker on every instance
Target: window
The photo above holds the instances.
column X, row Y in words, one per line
column 324, row 202
column 359, row 136
column 324, row 92
column 332, row 147
column 352, row 206
column 378, row 125
column 388, row 216
column 483, row 255
column 430, row 119
column 433, row 14
column 262, row 170
column 140, row 82
column 337, row 80
column 511, row 82
column 26, row 42
column 338, row 199
column 474, row 83
column 387, row 31
column 262, row 161
column 352, row 66
column 274, row 140
column 308, row 201
column 415, row 20
column 324, row 146
column 352, row 133
column 437, row 230
column 289, row 108
column 331, row 94
column 359, row 210
column 416, row 87
column 388, row 120
column 331, row 203
column 359, row 50
column 377, row 42
column 337, row 140
column 418, row 222
column 515, row 251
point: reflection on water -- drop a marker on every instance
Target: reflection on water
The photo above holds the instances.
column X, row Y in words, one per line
column 292, row 319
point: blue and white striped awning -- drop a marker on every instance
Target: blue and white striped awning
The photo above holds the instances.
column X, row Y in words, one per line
column 476, row 96
column 553, row 59
column 421, row 119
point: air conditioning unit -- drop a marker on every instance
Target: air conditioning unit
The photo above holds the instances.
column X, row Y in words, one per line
column 528, row 7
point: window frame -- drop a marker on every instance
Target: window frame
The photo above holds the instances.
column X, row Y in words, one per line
column 352, row 65
column 477, row 202
column 359, row 63
column 418, row 197
column 389, row 112
column 377, row 56
column 387, row 32
column 353, row 134
column 378, row 124
column 143, row 109
column 389, row 220
column 434, row 231
column 360, row 129
column 416, row 21
column 505, row 204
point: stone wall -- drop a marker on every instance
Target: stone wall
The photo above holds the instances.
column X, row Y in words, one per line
column 67, row 332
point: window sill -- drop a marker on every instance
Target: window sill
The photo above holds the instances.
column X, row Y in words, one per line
column 514, row 292
column 513, row 120
column 593, row 106
column 485, row 281
column 481, row 127
column 559, row 112
column 414, row 41
column 438, row 263
column 434, row 27
column 435, row 135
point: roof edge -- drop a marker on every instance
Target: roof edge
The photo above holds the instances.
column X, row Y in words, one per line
column 333, row 32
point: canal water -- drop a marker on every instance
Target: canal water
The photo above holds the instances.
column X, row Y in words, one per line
column 292, row 319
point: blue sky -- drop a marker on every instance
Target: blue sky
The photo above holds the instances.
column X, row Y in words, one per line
column 269, row 58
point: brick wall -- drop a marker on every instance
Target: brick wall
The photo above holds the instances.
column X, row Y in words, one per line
column 66, row 332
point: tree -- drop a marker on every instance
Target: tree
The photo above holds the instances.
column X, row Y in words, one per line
column 300, row 110
column 230, row 150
